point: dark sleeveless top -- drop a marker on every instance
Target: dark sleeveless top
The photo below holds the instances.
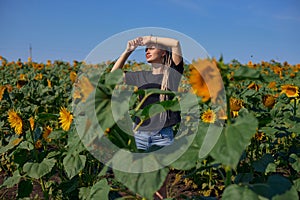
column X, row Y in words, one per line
column 146, row 80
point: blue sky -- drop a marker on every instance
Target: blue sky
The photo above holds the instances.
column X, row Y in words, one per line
column 68, row 30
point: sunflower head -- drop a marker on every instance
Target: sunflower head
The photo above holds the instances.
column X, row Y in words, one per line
column 15, row 121
column 49, row 64
column 253, row 86
column 22, row 77
column 38, row 76
column 31, row 122
column 209, row 116
column 198, row 85
column 259, row 136
column 268, row 100
column 49, row 83
column 272, row 85
column 73, row 76
column 290, row 90
column 205, row 79
column 2, row 89
column 235, row 104
column 85, row 87
column 38, row 144
column 65, row 119
column 21, row 83
column 46, row 133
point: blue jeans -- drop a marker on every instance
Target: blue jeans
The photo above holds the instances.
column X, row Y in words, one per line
column 145, row 139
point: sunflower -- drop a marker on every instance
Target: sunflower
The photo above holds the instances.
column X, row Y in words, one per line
column 85, row 87
column 277, row 70
column 2, row 89
column 209, row 116
column 38, row 76
column 290, row 90
column 198, row 85
column 235, row 104
column 268, row 100
column 38, row 144
column 49, row 83
column 272, row 85
column 253, row 86
column 46, row 133
column 49, row 64
column 259, row 136
column 73, row 76
column 23, row 77
column 205, row 79
column 15, row 121
column 65, row 119
column 22, row 81
column 75, row 63
column 31, row 122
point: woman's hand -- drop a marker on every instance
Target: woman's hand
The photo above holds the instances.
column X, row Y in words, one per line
column 146, row 40
column 133, row 44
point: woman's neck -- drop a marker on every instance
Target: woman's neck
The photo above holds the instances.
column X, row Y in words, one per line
column 157, row 68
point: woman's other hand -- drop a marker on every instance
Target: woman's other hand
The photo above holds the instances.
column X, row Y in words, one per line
column 133, row 44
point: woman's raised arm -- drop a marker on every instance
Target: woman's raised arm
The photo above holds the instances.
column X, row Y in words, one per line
column 131, row 46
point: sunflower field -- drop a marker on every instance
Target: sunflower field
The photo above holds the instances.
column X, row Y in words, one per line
column 255, row 154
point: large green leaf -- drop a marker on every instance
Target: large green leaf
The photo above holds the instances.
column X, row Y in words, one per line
column 73, row 163
column 145, row 184
column 234, row 139
column 100, row 190
column 103, row 107
column 38, row 170
column 114, row 77
column 13, row 180
column 235, row 192
column 289, row 194
column 211, row 136
column 275, row 185
column 190, row 158
column 84, row 193
column 10, row 145
column 74, row 142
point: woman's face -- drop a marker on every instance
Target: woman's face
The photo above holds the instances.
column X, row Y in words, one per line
column 154, row 54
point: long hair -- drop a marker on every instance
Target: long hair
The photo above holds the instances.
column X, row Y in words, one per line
column 167, row 61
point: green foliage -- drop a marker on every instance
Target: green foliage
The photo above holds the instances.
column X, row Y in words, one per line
column 252, row 154
column 234, row 139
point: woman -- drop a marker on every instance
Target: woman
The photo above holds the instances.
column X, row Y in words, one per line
column 164, row 55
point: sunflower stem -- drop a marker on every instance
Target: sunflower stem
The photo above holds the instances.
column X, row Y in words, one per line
column 142, row 101
column 228, row 175
column 228, row 109
column 138, row 126
column 45, row 192
column 295, row 108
